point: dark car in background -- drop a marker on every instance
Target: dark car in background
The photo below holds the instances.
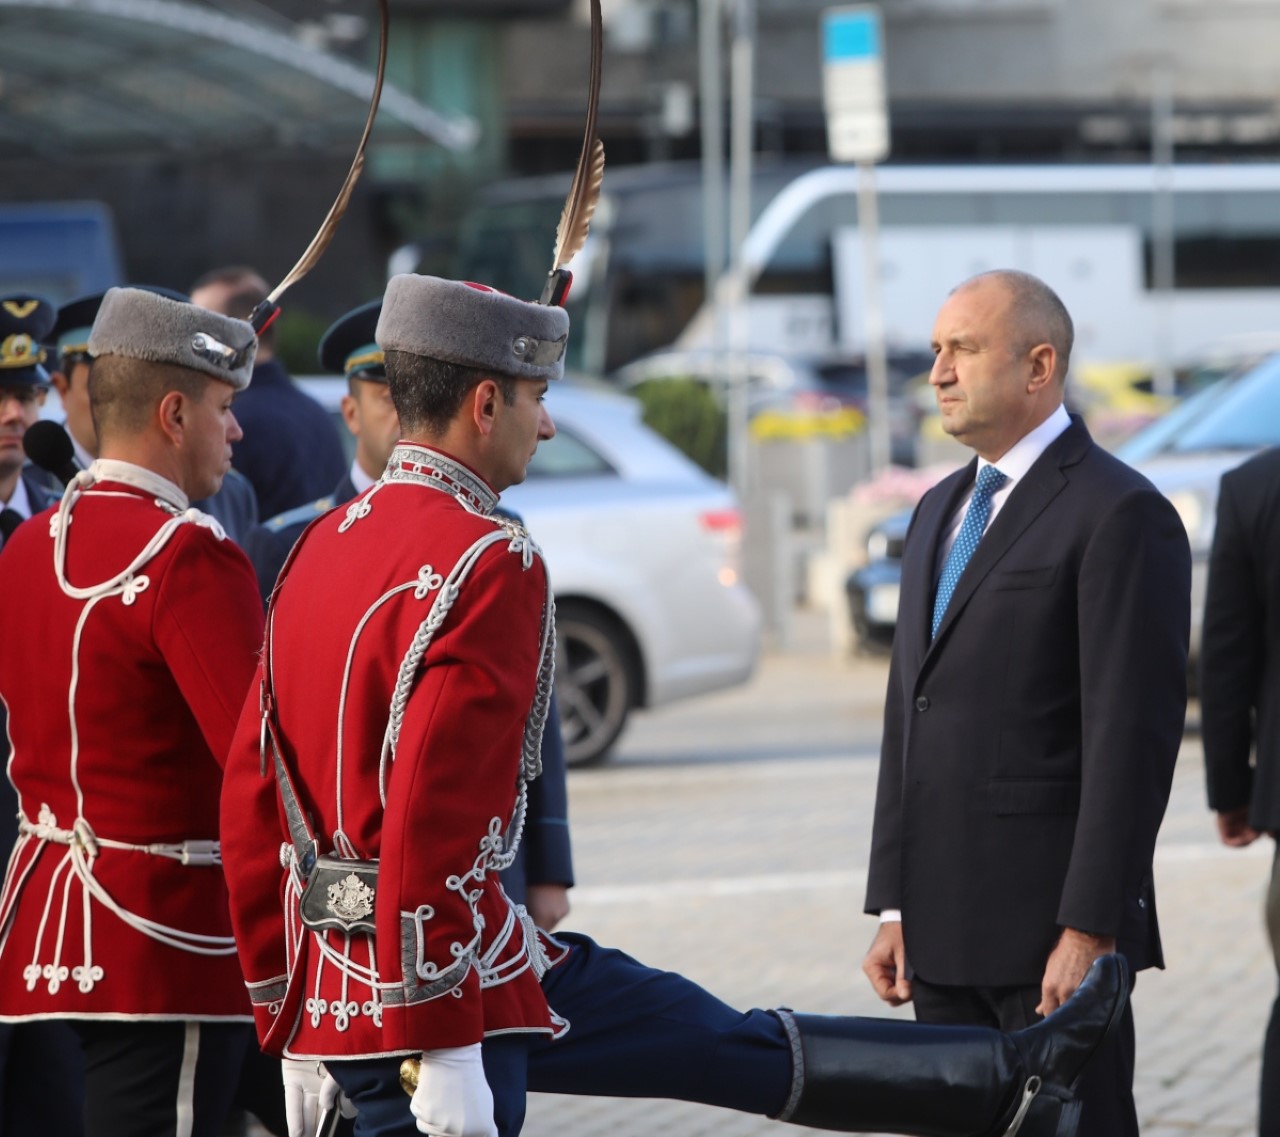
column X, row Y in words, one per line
column 873, row 590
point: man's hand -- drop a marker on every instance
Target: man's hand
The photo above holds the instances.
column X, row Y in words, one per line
column 1234, row 828
column 885, row 964
column 1068, row 964
column 453, row 1098
column 547, row 904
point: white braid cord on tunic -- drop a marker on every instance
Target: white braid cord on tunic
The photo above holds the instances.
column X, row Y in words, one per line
column 496, row 849
column 82, row 844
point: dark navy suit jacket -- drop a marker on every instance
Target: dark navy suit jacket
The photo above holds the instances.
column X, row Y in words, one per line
column 291, row 451
column 1029, row 748
column 235, row 506
column 1240, row 648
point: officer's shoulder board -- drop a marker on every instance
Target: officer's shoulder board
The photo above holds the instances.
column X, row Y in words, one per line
column 300, row 515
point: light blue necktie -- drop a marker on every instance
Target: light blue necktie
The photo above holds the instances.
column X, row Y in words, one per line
column 975, row 521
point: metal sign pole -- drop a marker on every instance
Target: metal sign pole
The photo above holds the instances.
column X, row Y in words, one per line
column 711, row 97
column 873, row 320
column 1162, row 224
column 742, row 68
column 858, row 132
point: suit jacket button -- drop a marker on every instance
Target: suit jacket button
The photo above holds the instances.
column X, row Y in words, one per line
column 922, row 703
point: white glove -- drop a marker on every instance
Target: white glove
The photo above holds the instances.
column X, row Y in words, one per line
column 453, row 1098
column 303, row 1082
column 332, row 1097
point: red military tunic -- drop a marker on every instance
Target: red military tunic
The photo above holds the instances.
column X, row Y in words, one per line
column 122, row 685
column 415, row 760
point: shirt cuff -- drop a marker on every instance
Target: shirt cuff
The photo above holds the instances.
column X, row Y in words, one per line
column 891, row 916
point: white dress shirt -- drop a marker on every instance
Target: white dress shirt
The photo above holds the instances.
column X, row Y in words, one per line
column 1014, row 466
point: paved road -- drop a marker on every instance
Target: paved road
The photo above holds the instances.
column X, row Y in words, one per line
column 728, row 840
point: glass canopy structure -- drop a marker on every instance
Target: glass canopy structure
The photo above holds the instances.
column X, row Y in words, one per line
column 112, row 78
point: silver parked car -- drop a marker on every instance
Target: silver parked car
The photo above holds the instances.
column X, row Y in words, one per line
column 1186, row 452
column 643, row 551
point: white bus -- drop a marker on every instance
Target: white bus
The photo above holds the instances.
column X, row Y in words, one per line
column 1088, row 230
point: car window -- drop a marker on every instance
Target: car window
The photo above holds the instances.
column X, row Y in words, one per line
column 1246, row 419
column 567, row 456
column 1241, row 412
column 1237, row 413
column 1160, row 435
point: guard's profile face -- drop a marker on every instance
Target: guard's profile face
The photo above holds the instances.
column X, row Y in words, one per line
column 518, row 429
column 211, row 429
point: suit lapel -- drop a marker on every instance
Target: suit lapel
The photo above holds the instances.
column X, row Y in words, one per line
column 1043, row 482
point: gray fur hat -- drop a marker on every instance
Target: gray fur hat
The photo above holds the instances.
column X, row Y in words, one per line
column 143, row 325
column 473, row 325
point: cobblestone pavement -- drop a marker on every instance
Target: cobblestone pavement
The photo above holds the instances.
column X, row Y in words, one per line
column 728, row 837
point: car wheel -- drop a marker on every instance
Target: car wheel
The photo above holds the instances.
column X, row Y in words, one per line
column 594, row 682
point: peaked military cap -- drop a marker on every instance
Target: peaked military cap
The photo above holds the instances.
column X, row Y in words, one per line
column 70, row 334
column 24, row 325
column 473, row 325
column 349, row 347
column 138, row 324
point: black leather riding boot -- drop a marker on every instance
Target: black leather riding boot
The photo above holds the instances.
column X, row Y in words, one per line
column 855, row 1075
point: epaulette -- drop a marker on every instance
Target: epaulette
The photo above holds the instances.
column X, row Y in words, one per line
column 300, row 515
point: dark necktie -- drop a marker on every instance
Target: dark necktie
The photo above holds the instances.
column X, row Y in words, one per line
column 10, row 519
column 975, row 521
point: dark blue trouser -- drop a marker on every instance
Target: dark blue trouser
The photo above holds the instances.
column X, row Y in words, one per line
column 41, row 1080
column 634, row 1032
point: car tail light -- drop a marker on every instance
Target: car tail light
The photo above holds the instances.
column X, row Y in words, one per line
column 724, row 526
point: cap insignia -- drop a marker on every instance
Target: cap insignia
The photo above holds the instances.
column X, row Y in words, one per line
column 218, row 353
column 539, row 353
column 21, row 309
column 20, row 350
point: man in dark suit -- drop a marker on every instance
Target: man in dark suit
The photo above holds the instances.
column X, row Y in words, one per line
column 291, row 451
column 1240, row 696
column 1035, row 702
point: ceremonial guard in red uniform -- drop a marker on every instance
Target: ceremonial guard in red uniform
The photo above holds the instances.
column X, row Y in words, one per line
column 142, row 625
column 377, row 785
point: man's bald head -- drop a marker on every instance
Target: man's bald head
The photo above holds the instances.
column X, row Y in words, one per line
column 1037, row 312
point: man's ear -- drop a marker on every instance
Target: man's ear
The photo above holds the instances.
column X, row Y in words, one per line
column 172, row 412
column 350, row 413
column 484, row 405
column 1044, row 363
column 61, row 382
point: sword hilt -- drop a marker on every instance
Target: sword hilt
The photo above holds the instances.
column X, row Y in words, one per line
column 410, row 1068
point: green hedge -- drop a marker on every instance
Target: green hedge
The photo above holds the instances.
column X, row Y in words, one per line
column 688, row 416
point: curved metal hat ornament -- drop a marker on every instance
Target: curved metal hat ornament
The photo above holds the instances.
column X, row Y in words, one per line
column 584, row 192
column 263, row 315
